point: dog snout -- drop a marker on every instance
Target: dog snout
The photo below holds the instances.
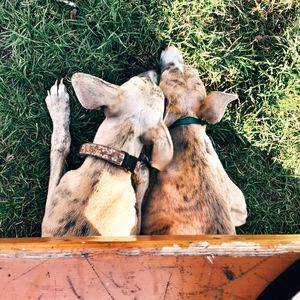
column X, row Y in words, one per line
column 170, row 55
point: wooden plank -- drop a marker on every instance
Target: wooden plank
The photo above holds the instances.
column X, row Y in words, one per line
column 160, row 267
column 257, row 243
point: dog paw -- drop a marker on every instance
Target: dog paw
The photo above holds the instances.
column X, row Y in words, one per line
column 58, row 105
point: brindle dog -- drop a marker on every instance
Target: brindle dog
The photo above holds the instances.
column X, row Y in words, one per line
column 194, row 195
column 99, row 197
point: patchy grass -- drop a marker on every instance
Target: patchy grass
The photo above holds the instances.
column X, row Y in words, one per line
column 247, row 47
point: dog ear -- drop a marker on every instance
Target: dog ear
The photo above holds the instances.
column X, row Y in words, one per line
column 214, row 105
column 162, row 150
column 93, row 92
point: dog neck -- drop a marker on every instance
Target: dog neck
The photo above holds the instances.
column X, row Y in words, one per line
column 112, row 199
column 120, row 134
column 186, row 136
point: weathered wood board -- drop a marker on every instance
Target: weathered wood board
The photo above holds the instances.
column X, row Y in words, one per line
column 157, row 267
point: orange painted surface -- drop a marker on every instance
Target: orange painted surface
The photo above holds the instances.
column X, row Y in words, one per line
column 144, row 268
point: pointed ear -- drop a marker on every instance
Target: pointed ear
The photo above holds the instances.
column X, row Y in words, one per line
column 93, row 92
column 213, row 108
column 162, row 151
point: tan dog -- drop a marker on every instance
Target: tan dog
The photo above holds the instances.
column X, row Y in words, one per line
column 101, row 198
column 194, row 195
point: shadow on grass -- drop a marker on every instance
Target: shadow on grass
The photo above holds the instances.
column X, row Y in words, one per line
column 264, row 32
column 271, row 192
column 115, row 42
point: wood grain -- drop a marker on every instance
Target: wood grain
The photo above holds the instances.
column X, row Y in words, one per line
column 154, row 267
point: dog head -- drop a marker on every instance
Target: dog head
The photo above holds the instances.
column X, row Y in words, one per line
column 139, row 100
column 185, row 91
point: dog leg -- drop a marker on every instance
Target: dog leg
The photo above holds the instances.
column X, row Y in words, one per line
column 57, row 102
column 140, row 179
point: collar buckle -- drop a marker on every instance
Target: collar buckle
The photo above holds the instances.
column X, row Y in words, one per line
column 129, row 162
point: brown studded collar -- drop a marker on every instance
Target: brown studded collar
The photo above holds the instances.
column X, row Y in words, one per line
column 113, row 156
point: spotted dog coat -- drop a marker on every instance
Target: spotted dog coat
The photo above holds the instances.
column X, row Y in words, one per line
column 194, row 195
column 100, row 198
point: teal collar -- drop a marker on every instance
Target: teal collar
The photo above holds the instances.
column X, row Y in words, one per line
column 188, row 120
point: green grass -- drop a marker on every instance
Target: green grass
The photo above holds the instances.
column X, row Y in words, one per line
column 247, row 47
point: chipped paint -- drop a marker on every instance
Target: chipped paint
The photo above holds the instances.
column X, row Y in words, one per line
column 210, row 258
column 235, row 248
column 210, row 247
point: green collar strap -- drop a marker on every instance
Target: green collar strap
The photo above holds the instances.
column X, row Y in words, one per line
column 188, row 120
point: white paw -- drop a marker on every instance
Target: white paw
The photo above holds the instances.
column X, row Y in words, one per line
column 171, row 55
column 58, row 106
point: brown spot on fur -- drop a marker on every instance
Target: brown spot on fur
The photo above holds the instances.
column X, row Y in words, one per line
column 83, row 230
column 181, row 210
column 157, row 92
column 54, row 202
column 67, row 227
column 75, row 200
column 94, row 183
column 185, row 145
column 134, row 182
column 65, row 193
column 174, row 70
column 177, row 82
column 61, row 221
column 161, row 230
column 168, row 66
column 96, row 173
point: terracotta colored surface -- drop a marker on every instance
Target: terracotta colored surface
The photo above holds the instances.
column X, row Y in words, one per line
column 204, row 267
